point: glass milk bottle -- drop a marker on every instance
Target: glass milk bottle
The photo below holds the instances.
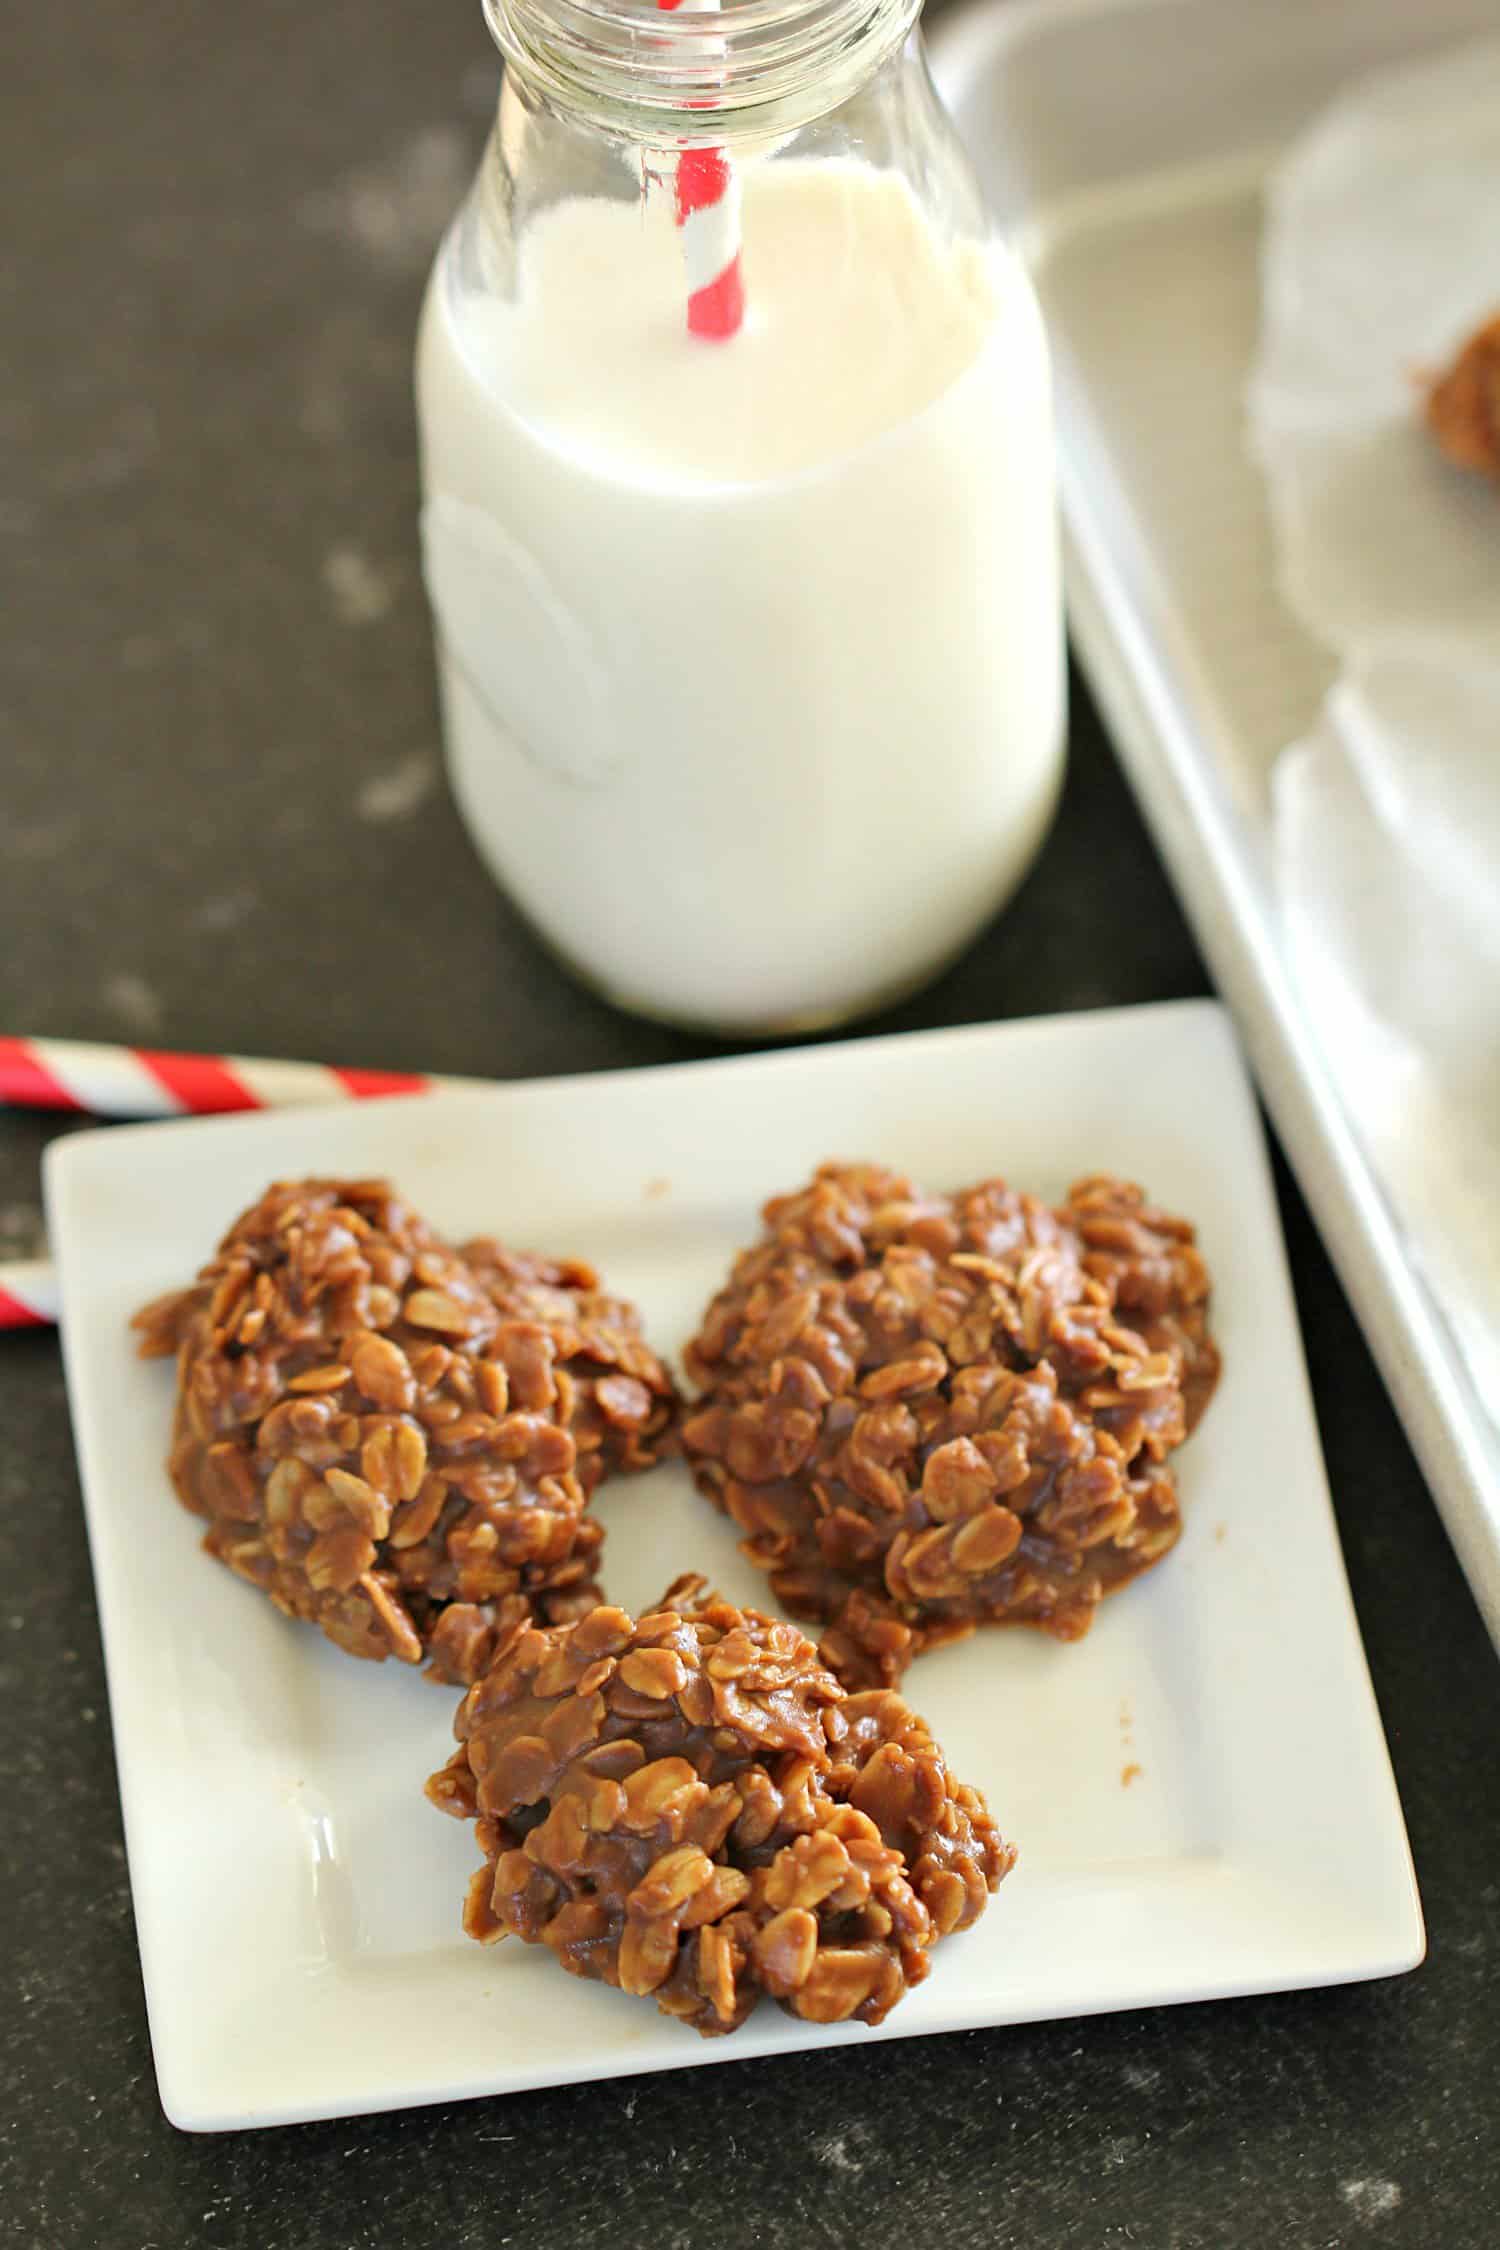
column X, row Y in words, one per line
column 738, row 519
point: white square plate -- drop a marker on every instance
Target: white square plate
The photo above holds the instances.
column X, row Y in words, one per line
column 1200, row 1789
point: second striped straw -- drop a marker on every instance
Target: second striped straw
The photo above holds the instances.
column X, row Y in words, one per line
column 708, row 217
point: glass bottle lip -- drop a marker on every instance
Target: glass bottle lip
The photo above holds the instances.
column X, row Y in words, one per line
column 697, row 73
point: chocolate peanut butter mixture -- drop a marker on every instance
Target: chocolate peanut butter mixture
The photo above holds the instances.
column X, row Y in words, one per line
column 1463, row 404
column 688, row 1806
column 930, row 1412
column 398, row 1440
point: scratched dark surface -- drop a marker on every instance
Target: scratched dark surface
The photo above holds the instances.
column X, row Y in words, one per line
column 222, row 823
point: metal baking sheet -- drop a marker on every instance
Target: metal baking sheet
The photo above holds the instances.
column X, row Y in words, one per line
column 1125, row 145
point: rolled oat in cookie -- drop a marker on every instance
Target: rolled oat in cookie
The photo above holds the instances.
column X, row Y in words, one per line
column 395, row 1440
column 930, row 1412
column 687, row 1805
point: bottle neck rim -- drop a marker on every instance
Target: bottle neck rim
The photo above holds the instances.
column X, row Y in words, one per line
column 691, row 71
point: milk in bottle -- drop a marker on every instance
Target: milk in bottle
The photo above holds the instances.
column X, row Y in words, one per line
column 749, row 646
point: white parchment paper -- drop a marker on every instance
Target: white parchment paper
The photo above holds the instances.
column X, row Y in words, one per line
column 1382, row 252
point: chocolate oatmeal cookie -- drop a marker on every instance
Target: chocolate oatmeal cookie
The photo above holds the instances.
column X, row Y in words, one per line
column 396, row 1440
column 930, row 1412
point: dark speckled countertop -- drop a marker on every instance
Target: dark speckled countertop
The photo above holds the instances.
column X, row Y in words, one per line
column 222, row 822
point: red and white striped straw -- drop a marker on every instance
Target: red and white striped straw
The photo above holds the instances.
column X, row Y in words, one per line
column 28, row 1294
column 103, row 1081
column 708, row 220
